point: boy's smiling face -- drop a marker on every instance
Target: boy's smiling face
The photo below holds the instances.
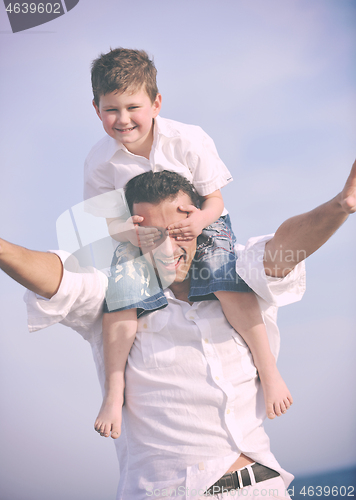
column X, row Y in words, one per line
column 128, row 118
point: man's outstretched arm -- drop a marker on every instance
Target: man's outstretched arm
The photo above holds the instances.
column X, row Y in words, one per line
column 300, row 236
column 40, row 272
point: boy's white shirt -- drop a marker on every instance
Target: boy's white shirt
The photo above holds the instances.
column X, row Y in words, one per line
column 185, row 149
column 151, row 453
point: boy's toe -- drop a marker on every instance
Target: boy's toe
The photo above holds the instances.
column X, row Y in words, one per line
column 277, row 410
column 270, row 411
column 115, row 431
column 105, row 430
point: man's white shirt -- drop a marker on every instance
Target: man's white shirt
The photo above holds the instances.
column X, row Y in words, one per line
column 193, row 400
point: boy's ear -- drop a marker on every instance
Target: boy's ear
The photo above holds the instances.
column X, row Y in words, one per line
column 96, row 109
column 157, row 104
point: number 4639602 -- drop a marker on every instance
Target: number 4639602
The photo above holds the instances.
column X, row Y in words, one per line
column 32, row 8
column 325, row 491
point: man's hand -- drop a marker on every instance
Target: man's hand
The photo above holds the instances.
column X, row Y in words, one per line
column 347, row 197
column 189, row 228
column 300, row 236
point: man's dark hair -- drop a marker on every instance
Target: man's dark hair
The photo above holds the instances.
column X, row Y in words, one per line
column 123, row 70
column 154, row 187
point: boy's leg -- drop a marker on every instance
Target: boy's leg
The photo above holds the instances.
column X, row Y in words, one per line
column 40, row 272
column 300, row 236
column 119, row 330
column 243, row 313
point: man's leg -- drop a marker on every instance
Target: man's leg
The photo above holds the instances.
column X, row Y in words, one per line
column 300, row 236
column 40, row 272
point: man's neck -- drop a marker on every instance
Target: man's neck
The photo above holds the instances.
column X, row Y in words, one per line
column 181, row 290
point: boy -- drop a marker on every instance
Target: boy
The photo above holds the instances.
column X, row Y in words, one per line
column 128, row 103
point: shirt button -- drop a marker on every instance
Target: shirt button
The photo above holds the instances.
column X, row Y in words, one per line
column 227, row 411
column 216, row 378
column 191, row 317
column 145, row 325
column 206, row 341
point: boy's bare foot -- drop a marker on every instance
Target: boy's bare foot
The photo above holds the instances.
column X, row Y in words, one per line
column 109, row 418
column 277, row 396
column 347, row 197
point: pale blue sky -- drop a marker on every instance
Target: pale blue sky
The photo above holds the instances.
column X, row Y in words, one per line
column 273, row 82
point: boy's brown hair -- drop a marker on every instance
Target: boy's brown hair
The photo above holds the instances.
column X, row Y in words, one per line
column 121, row 70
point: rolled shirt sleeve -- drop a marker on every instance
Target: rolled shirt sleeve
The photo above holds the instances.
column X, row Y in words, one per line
column 275, row 291
column 78, row 302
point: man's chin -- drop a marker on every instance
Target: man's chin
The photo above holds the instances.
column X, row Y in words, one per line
column 168, row 277
column 165, row 276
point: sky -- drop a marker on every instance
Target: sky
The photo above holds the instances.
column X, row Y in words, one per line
column 273, row 83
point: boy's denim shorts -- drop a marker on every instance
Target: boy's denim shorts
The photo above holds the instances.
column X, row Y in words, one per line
column 214, row 264
column 133, row 283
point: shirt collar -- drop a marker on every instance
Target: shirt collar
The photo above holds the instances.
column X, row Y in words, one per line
column 170, row 295
column 113, row 147
column 161, row 127
column 164, row 127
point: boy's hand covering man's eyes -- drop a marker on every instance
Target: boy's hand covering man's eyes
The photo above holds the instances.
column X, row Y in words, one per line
column 189, row 228
column 141, row 236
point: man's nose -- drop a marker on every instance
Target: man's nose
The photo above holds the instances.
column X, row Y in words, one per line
column 167, row 246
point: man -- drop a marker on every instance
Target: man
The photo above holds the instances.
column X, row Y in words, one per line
column 193, row 408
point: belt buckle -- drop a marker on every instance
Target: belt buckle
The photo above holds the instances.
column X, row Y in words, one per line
column 229, row 481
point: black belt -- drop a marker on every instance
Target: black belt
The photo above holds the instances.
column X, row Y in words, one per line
column 230, row 481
